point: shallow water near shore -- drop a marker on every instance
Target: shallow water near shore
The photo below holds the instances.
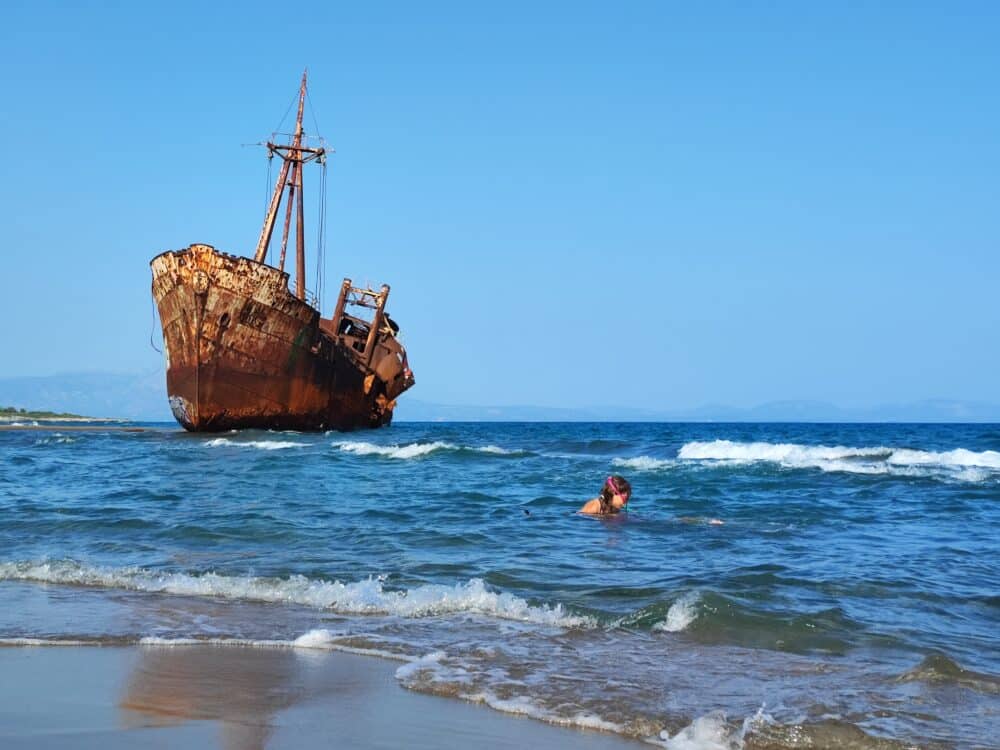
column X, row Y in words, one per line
column 852, row 594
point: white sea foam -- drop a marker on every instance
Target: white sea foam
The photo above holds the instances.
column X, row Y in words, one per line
column 959, row 464
column 159, row 642
column 365, row 597
column 958, row 457
column 428, row 663
column 264, row 445
column 44, row 642
column 681, row 614
column 435, row 669
column 644, row 463
column 58, row 438
column 411, row 450
column 523, row 705
column 414, row 450
column 709, row 732
column 497, row 450
column 320, row 639
column 713, row 732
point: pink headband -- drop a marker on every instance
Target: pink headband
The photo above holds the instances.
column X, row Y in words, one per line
column 614, row 487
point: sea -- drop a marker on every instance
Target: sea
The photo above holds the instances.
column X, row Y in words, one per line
column 849, row 598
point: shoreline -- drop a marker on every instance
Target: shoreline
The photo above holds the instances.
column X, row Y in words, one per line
column 30, row 418
column 75, row 425
column 138, row 696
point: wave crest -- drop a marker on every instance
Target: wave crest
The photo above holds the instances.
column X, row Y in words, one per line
column 264, row 445
column 960, row 464
column 366, row 597
column 418, row 450
column 681, row 614
column 644, row 463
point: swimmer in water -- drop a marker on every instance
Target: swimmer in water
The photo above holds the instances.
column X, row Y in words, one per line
column 614, row 496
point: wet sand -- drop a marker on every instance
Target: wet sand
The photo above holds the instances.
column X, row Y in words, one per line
column 235, row 698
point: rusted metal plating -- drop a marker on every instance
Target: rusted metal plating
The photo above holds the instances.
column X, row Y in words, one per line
column 242, row 351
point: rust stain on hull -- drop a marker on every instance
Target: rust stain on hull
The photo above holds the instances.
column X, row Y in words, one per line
column 243, row 352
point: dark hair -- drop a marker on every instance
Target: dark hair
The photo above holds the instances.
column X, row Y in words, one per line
column 614, row 485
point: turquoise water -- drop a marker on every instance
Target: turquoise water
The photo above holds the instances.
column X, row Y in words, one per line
column 851, row 592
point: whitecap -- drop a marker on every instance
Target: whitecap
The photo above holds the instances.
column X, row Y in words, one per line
column 680, row 615
column 644, row 463
column 708, row 732
column 713, row 732
column 58, row 438
column 416, row 450
column 497, row 450
column 958, row 465
column 264, row 445
column 411, row 450
column 364, row 597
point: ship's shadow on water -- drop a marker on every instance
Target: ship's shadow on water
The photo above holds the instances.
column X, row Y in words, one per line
column 851, row 577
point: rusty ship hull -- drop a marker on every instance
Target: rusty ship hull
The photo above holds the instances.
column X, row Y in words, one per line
column 243, row 352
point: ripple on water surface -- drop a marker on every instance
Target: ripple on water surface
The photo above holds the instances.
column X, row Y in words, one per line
column 853, row 574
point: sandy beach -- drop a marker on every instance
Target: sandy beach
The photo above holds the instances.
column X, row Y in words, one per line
column 241, row 698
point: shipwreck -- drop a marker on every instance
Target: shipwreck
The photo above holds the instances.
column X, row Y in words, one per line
column 243, row 350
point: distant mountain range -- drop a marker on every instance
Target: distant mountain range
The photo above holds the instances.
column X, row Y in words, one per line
column 936, row 410
column 142, row 397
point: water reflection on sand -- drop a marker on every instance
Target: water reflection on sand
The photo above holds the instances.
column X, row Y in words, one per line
column 243, row 689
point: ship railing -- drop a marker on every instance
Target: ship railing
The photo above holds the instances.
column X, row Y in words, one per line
column 352, row 297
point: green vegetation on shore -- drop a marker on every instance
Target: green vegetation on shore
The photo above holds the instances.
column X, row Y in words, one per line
column 14, row 412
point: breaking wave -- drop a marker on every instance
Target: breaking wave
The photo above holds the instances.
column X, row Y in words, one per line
column 319, row 639
column 644, row 463
column 20, row 642
column 431, row 673
column 366, row 597
column 959, row 464
column 264, row 445
column 58, row 438
column 713, row 732
column 681, row 614
column 418, row 450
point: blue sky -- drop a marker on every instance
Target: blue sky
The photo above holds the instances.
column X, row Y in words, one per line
column 657, row 204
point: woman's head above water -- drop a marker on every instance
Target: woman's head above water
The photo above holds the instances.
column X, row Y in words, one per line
column 616, row 486
column 614, row 496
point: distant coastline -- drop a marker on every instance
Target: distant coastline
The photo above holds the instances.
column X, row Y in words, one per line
column 142, row 397
column 13, row 414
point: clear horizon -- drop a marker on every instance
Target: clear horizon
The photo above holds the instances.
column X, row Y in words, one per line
column 659, row 208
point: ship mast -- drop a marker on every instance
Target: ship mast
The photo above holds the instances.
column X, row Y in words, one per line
column 294, row 156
